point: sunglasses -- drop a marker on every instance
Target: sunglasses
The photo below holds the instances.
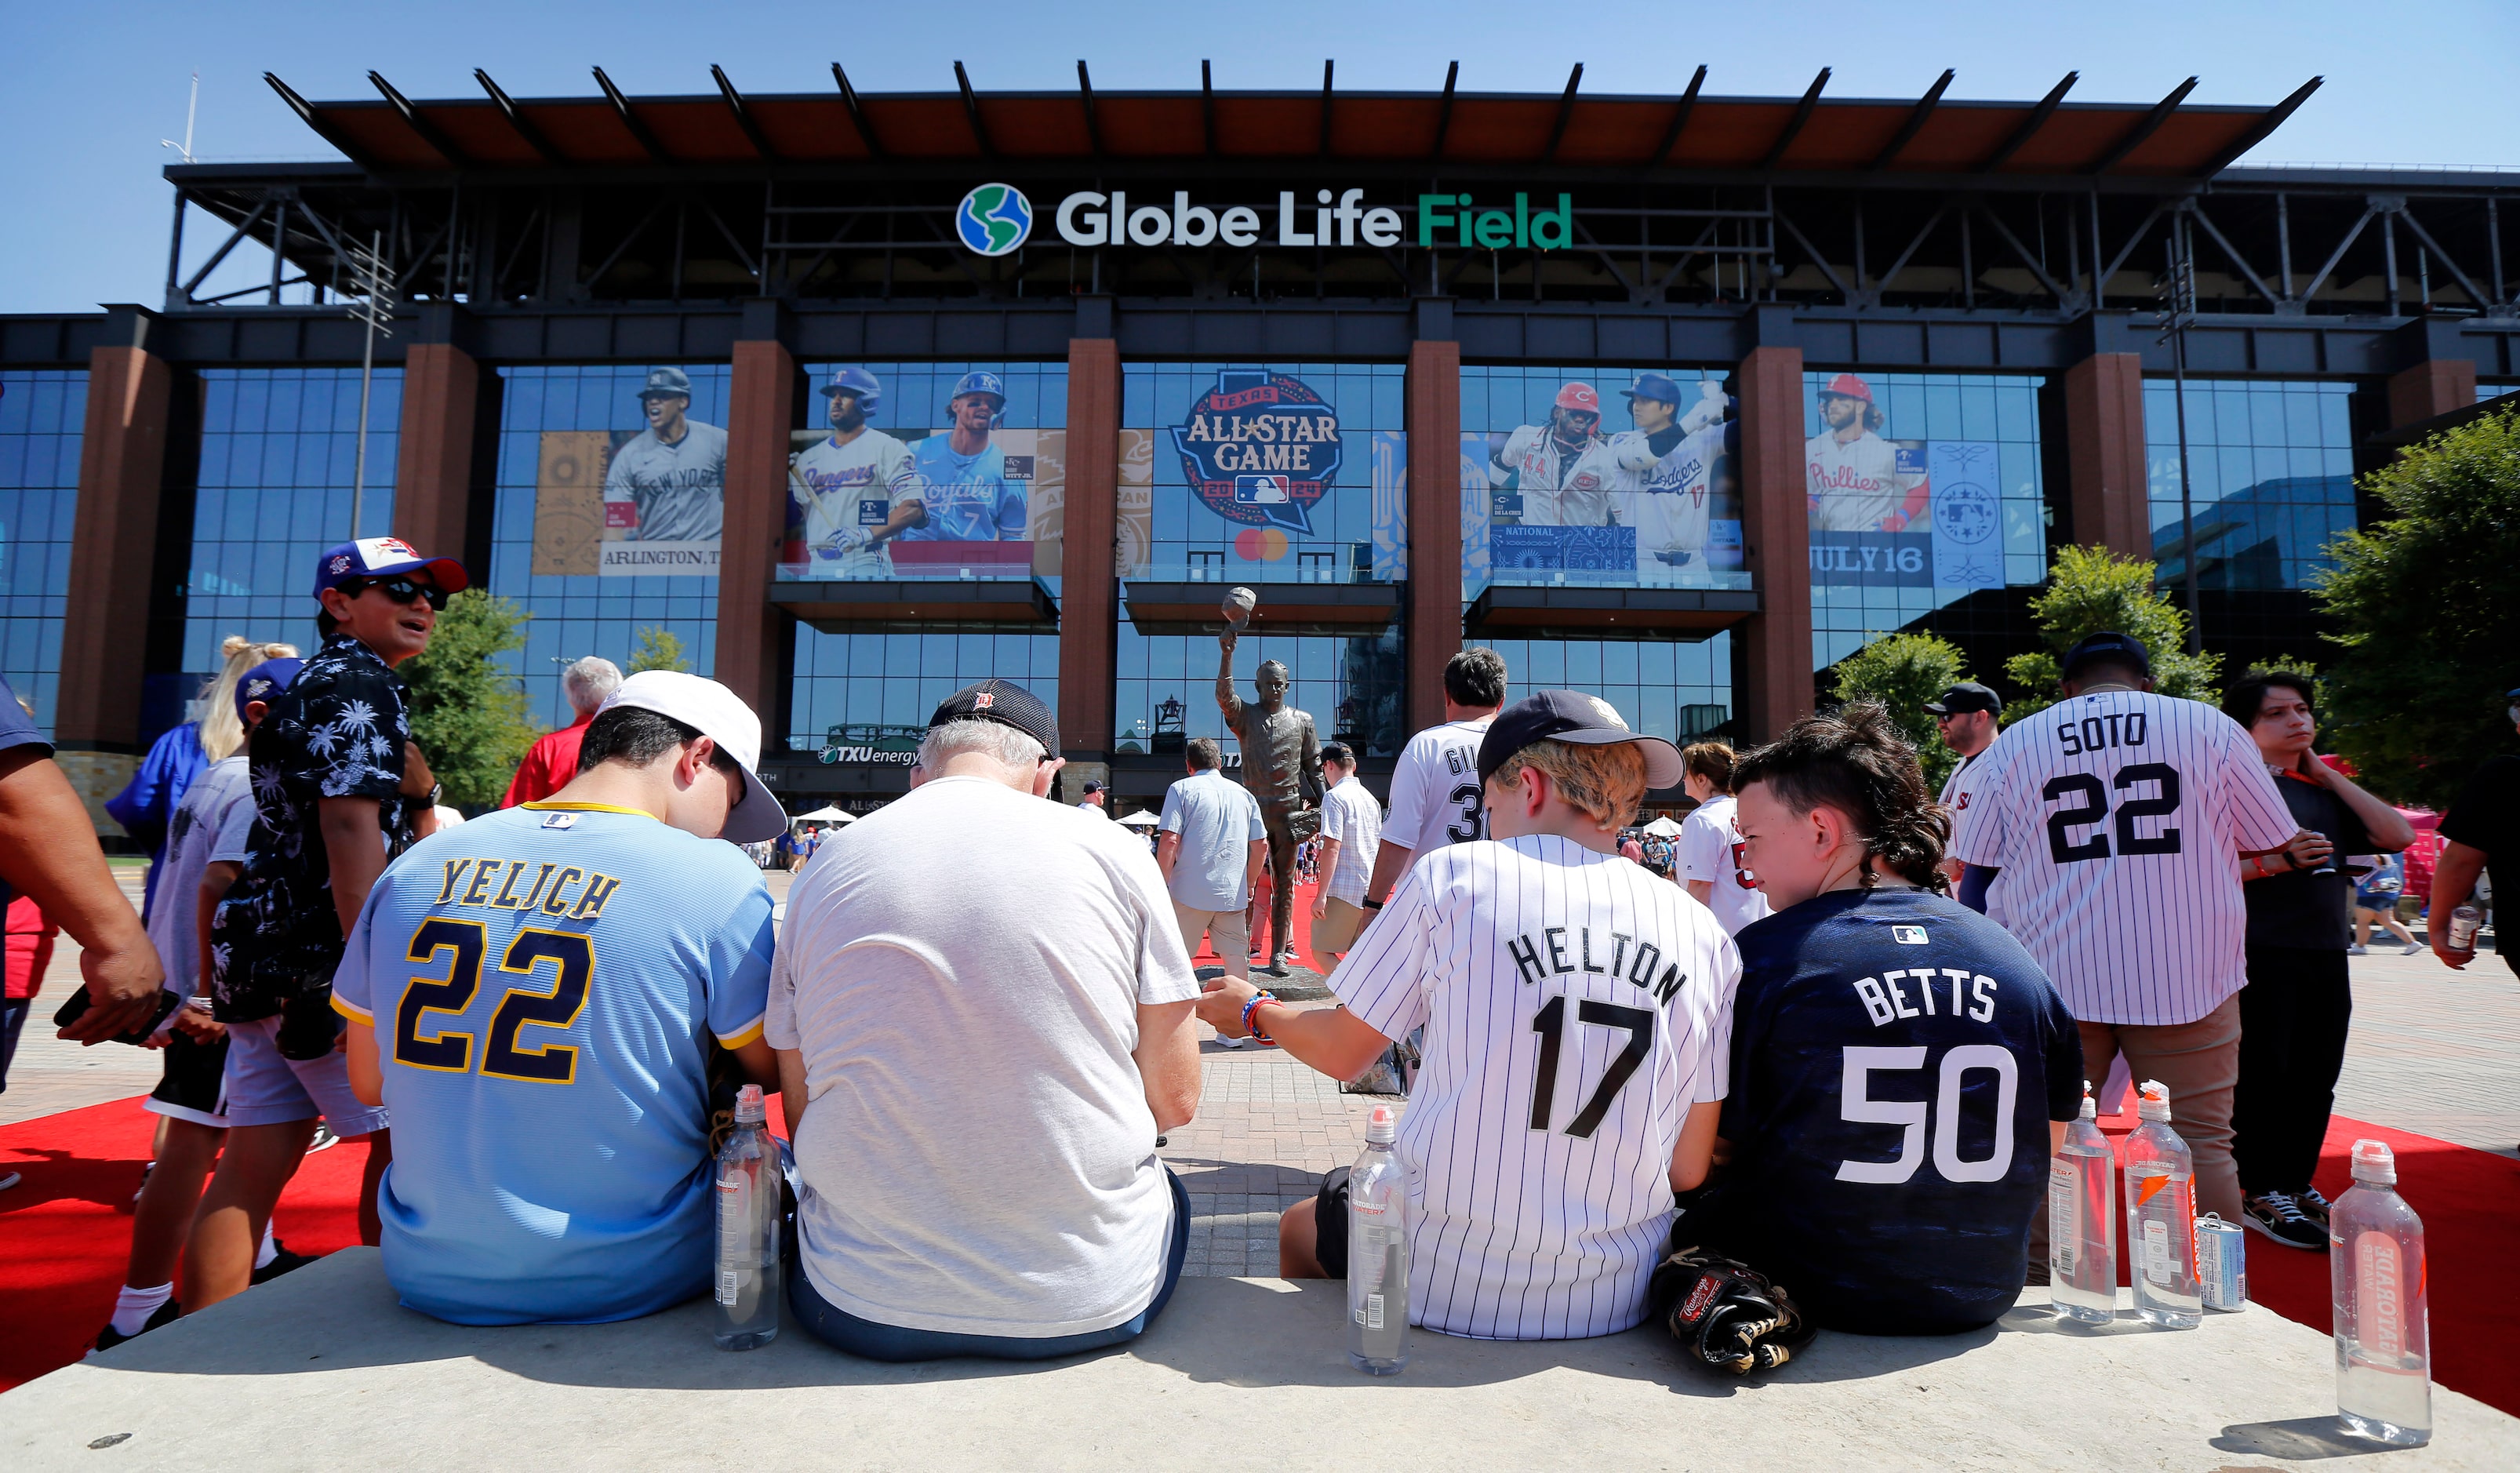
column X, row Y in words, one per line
column 399, row 590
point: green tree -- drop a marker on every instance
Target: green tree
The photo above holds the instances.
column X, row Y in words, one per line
column 660, row 649
column 467, row 709
column 2429, row 606
column 1903, row 672
column 2092, row 589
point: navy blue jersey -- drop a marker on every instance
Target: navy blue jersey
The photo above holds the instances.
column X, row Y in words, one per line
column 1896, row 1061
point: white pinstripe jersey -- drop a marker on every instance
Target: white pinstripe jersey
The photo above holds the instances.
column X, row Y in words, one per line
column 1436, row 797
column 2115, row 819
column 1575, row 1009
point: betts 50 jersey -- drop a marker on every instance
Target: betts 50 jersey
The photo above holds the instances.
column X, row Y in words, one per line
column 2115, row 819
column 849, row 490
column 968, row 497
column 1576, row 1008
column 1856, row 483
column 1560, row 487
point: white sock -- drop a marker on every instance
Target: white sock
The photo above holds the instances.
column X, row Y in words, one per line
column 269, row 1250
column 133, row 1307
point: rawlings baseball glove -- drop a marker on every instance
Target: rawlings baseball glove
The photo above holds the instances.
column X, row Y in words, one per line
column 1727, row 1313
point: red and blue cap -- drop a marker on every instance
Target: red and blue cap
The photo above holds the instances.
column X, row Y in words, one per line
column 383, row 558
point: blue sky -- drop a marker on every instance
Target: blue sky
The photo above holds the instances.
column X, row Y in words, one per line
column 87, row 90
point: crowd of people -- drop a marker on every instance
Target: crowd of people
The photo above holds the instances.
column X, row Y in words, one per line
column 1839, row 1040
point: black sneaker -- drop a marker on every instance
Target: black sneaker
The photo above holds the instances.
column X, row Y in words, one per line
column 110, row 1337
column 282, row 1262
column 324, row 1140
column 2279, row 1217
column 2314, row 1207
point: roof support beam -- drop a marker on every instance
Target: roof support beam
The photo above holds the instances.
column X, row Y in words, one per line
column 1794, row 128
column 629, row 119
column 2234, row 251
column 521, row 125
column 1915, row 123
column 1566, row 114
column 2328, row 267
column 857, row 114
column 743, row 114
column 305, row 112
column 2475, row 296
column 2020, row 251
column 428, row 131
column 1085, row 89
column 971, row 110
column 1327, row 68
column 1206, row 103
column 1444, row 112
column 1679, row 120
column 2145, row 129
column 1845, row 293
column 2029, row 125
column 2258, row 131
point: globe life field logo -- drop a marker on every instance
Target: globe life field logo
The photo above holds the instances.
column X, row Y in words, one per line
column 994, row 219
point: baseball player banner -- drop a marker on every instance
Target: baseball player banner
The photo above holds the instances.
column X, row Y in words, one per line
column 634, row 503
column 1260, row 449
column 953, row 501
column 1898, row 514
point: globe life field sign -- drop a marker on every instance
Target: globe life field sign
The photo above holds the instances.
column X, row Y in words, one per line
column 995, row 219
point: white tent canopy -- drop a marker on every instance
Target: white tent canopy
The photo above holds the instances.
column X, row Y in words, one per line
column 1141, row 820
column 1662, row 827
column 826, row 814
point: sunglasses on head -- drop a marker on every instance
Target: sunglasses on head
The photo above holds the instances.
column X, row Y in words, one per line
column 400, row 590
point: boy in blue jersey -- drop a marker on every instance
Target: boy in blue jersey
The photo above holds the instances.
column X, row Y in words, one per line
column 1900, row 1067
column 534, row 993
column 963, row 471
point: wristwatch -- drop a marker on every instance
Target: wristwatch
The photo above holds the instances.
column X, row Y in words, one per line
column 434, row 790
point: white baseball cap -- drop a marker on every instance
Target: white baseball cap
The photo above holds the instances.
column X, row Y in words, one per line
column 720, row 715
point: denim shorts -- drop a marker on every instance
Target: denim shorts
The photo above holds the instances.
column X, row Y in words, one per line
column 264, row 1087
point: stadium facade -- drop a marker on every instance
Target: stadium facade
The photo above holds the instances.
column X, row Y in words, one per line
column 1854, row 366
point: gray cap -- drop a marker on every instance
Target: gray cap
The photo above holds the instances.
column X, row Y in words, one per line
column 666, row 381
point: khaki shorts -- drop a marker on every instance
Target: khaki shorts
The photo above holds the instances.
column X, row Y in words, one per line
column 1335, row 929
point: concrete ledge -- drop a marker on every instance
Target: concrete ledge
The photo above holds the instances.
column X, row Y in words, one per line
column 322, row 1371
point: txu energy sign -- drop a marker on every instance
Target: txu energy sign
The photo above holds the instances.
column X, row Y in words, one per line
column 995, row 219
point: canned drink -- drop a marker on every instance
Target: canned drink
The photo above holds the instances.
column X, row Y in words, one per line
column 2222, row 1263
column 2464, row 923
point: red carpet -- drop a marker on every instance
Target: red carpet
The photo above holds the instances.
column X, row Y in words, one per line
column 2466, row 1200
column 66, row 1228
column 1303, row 938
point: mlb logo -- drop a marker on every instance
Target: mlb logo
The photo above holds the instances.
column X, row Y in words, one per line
column 560, row 820
column 341, row 564
column 1908, row 935
column 1263, row 490
column 873, row 513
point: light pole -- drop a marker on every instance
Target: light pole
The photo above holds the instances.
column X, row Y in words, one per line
column 374, row 280
column 2175, row 324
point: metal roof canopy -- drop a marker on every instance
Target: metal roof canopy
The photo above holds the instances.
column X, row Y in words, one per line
column 1928, row 136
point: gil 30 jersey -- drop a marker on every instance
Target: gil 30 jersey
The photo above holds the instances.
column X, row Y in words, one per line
column 1436, row 798
column 848, row 492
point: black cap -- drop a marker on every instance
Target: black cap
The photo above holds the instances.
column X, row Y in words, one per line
column 1094, row 787
column 2112, row 646
column 1337, row 751
column 1006, row 703
column 1968, row 696
column 1572, row 716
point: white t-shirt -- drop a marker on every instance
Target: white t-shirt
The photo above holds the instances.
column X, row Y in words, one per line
column 2116, row 819
column 1350, row 816
column 1436, row 798
column 211, row 823
column 1856, row 481
column 978, row 1156
column 1575, row 1009
column 1710, row 850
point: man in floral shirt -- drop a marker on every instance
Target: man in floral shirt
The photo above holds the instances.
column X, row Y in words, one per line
column 329, row 770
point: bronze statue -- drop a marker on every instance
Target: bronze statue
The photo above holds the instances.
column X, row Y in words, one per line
column 1281, row 768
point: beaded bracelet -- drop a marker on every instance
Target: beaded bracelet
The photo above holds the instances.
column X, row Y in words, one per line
column 1251, row 1006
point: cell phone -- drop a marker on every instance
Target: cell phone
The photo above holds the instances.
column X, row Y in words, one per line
column 76, row 1005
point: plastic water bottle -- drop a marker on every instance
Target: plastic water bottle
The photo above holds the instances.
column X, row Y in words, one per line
column 2161, row 1217
column 747, row 1285
column 2082, row 1221
column 1377, row 1252
column 2375, row 1265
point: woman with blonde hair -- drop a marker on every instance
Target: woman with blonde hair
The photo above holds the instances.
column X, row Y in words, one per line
column 222, row 734
column 146, row 806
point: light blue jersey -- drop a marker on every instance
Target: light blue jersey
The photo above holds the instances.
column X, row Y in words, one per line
column 969, row 496
column 539, row 980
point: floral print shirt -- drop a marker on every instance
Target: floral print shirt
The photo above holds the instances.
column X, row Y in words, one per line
column 338, row 732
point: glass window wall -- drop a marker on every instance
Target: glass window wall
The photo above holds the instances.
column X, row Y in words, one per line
column 2271, row 474
column 42, row 413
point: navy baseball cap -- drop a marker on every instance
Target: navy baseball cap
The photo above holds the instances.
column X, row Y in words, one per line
column 1968, row 696
column 1006, row 703
column 1572, row 716
column 1097, row 787
column 664, row 382
column 382, row 557
column 265, row 681
column 1654, row 387
column 2108, row 644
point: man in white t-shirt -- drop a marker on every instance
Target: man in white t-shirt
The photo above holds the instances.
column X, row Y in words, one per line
column 1578, row 1016
column 1351, row 836
column 1435, row 795
column 977, row 1045
column 1710, row 841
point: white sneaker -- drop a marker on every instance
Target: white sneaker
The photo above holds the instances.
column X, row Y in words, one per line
column 1231, row 1043
column 2412, row 947
column 2357, row 951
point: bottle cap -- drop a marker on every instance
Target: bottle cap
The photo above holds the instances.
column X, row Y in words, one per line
column 1383, row 1127
column 2376, row 1163
column 2156, row 1100
column 2091, row 1108
column 747, row 1105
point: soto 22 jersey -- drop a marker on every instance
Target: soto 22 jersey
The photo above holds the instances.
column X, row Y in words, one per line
column 2116, row 820
column 846, row 490
column 1436, row 797
column 1576, row 1008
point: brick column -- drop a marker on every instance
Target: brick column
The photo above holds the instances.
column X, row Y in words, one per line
column 2434, row 386
column 1434, row 425
column 1089, row 527
column 441, row 388
column 749, row 632
column 1776, row 536
column 2105, row 455
column 122, row 462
